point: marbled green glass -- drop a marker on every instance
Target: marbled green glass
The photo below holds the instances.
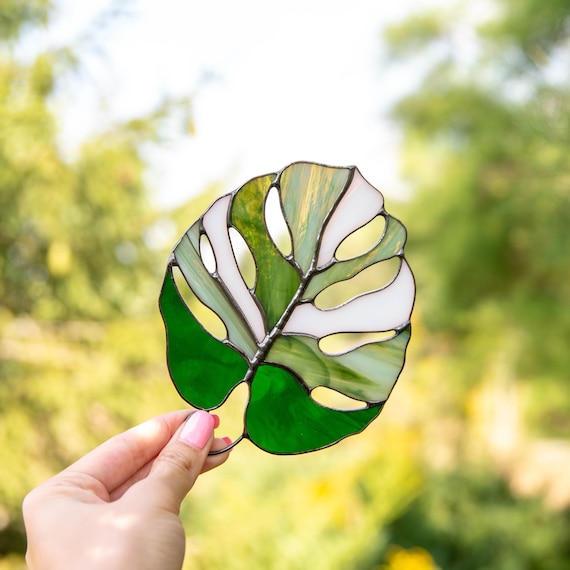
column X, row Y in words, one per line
column 274, row 329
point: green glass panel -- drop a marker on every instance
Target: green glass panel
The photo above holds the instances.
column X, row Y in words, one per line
column 277, row 279
column 209, row 291
column 391, row 244
column 309, row 193
column 366, row 373
column 203, row 377
column 271, row 328
column 282, row 418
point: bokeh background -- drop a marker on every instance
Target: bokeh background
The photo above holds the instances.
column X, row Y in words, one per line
column 121, row 121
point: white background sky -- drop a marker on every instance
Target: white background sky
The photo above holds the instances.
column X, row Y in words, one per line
column 272, row 83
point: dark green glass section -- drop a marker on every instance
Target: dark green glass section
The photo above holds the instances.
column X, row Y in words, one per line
column 309, row 194
column 203, row 369
column 276, row 279
column 282, row 418
column 366, row 373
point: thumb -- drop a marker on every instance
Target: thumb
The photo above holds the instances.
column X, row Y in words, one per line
column 177, row 467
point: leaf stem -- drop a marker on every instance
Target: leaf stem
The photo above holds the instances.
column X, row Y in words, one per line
column 270, row 338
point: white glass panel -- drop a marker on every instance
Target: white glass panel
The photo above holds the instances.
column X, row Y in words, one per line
column 215, row 224
column 358, row 206
column 381, row 310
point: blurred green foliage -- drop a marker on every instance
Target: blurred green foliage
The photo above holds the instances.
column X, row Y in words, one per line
column 486, row 150
column 466, row 467
column 81, row 352
column 486, row 138
column 484, row 528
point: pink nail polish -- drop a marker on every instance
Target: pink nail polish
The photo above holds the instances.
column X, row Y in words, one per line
column 197, row 429
column 227, row 440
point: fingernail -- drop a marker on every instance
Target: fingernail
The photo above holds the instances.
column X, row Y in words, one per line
column 227, row 439
column 197, row 429
column 216, row 420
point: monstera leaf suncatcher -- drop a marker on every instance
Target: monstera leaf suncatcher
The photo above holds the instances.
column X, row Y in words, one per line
column 275, row 327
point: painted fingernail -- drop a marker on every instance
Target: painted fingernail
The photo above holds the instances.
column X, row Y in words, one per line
column 227, row 439
column 216, row 420
column 197, row 429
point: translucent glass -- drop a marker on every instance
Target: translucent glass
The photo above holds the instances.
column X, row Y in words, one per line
column 274, row 330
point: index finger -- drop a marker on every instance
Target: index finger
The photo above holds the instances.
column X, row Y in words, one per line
column 119, row 458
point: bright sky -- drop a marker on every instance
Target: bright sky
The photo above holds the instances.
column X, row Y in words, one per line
column 272, row 83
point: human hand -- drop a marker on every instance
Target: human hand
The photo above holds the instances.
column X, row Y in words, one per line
column 118, row 506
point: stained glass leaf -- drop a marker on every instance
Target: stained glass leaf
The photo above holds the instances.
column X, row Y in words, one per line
column 273, row 327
